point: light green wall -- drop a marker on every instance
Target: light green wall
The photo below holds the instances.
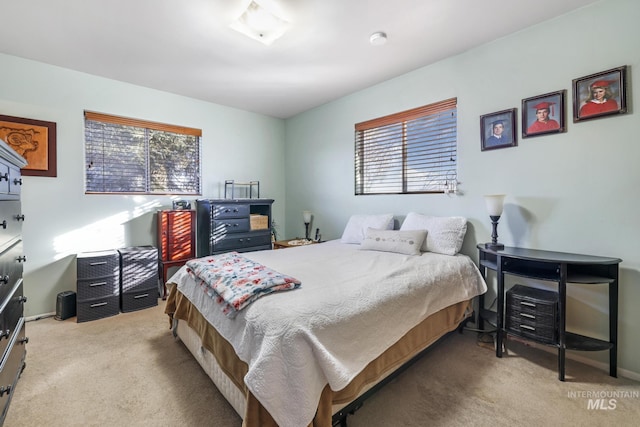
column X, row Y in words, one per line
column 62, row 221
column 572, row 192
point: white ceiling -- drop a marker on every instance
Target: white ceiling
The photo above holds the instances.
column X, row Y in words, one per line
column 186, row 46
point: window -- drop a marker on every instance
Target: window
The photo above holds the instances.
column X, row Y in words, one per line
column 414, row 151
column 134, row 156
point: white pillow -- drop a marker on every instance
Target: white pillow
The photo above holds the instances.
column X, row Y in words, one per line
column 444, row 234
column 358, row 224
column 401, row 242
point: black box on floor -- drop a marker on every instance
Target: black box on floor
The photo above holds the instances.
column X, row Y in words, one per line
column 65, row 305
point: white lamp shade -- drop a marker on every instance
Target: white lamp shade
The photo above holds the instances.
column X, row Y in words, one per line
column 306, row 215
column 495, row 204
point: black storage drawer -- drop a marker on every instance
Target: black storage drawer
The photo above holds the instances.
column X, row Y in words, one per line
column 239, row 241
column 139, row 299
column 12, row 309
column 98, row 264
column 230, row 210
column 10, row 268
column 532, row 313
column 97, row 308
column 12, row 367
column 98, row 287
column 232, row 225
column 12, row 227
column 139, row 268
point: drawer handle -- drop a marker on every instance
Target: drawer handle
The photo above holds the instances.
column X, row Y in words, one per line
column 4, row 224
column 22, row 299
column 22, row 258
column 20, row 217
column 530, row 316
column 97, row 284
column 24, row 340
column 99, row 304
column 5, row 334
column 17, row 181
column 97, row 263
column 5, row 176
column 141, row 296
column 531, row 328
column 5, row 390
column 528, row 304
column 4, row 279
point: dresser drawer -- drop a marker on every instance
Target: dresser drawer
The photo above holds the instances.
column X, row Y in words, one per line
column 221, row 211
column 15, row 181
column 139, row 299
column 98, row 264
column 532, row 313
column 98, row 287
column 97, row 308
column 12, row 365
column 11, row 311
column 233, row 225
column 138, row 268
column 10, row 268
column 10, row 224
column 240, row 241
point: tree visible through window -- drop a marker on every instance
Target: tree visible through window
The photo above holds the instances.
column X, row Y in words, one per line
column 133, row 156
column 414, row 151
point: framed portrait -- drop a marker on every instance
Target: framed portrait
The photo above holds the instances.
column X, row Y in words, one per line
column 543, row 114
column 600, row 95
column 498, row 130
column 35, row 140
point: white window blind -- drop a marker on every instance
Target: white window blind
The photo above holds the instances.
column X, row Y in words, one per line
column 126, row 155
column 413, row 151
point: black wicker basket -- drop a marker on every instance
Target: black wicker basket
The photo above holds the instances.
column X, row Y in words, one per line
column 532, row 313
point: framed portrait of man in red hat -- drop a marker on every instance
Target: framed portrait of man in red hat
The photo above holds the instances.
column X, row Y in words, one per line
column 600, row 94
column 543, row 114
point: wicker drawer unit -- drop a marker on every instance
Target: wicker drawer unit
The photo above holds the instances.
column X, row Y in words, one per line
column 138, row 278
column 98, row 293
column 532, row 313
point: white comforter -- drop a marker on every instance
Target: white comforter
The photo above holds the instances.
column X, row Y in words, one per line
column 353, row 304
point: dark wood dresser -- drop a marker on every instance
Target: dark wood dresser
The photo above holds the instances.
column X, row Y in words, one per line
column 12, row 324
column 225, row 225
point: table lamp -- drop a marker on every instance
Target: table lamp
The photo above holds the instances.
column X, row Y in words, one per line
column 306, row 216
column 495, row 204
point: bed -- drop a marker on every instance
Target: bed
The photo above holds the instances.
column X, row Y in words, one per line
column 300, row 357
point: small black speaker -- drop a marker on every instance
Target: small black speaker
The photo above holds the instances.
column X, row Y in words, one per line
column 65, row 305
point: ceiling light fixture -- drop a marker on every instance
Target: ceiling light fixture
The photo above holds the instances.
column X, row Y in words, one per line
column 260, row 23
column 378, row 39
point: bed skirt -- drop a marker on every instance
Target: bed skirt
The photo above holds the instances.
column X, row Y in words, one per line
column 223, row 359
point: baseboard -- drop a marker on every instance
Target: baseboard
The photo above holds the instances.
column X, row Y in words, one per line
column 40, row 316
column 578, row 358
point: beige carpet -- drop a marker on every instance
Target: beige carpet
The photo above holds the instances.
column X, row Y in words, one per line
column 128, row 370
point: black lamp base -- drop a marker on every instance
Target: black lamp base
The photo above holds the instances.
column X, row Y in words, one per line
column 494, row 246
